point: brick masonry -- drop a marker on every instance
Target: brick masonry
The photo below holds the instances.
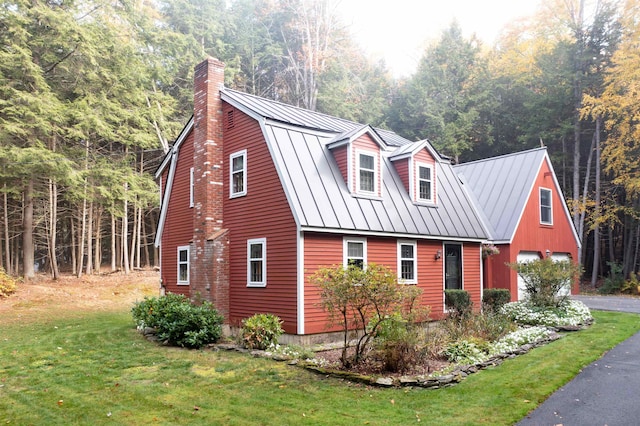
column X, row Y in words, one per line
column 209, row 263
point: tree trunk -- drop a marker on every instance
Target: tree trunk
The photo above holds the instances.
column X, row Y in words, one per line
column 27, row 233
column 583, row 207
column 147, row 258
column 97, row 250
column 7, row 246
column 53, row 229
column 125, row 231
column 89, row 268
column 596, row 212
column 114, row 236
column 74, row 260
column 81, row 233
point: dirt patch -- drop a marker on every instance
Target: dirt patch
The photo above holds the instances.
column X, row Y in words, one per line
column 42, row 296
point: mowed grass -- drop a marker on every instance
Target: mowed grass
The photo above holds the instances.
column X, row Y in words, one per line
column 96, row 369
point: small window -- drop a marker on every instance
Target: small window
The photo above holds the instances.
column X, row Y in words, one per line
column 546, row 215
column 183, row 265
column 355, row 252
column 407, row 264
column 238, row 174
column 257, row 262
column 191, row 187
column 425, row 183
column 367, row 180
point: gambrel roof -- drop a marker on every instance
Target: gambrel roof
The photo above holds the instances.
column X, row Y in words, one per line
column 318, row 195
column 502, row 185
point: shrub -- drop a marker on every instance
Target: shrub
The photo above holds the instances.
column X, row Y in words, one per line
column 458, row 302
column 487, row 325
column 545, row 279
column 465, row 352
column 615, row 282
column 261, row 331
column 361, row 300
column 572, row 312
column 177, row 321
column 7, row 284
column 400, row 343
column 494, row 298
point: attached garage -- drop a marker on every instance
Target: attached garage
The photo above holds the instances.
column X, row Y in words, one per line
column 525, row 256
column 560, row 257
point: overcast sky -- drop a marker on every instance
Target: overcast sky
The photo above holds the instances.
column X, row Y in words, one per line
column 398, row 30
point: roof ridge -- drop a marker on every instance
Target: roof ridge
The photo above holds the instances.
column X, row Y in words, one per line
column 503, row 156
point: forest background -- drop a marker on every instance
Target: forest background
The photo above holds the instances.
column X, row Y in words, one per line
column 93, row 93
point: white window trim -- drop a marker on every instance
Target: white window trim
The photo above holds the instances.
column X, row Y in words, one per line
column 376, row 162
column 262, row 283
column 237, row 154
column 345, row 250
column 417, row 180
column 191, row 186
column 187, row 249
column 415, row 261
column 550, row 206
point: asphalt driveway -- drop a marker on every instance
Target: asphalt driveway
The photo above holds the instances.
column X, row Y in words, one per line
column 607, row 392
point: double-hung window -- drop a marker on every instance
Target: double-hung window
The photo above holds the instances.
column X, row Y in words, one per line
column 355, row 252
column 257, row 262
column 425, row 183
column 367, row 173
column 407, row 263
column 546, row 212
column 238, row 174
column 183, row 265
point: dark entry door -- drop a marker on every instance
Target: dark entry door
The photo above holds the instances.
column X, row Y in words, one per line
column 452, row 266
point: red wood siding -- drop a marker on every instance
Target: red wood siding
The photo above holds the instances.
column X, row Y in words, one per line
column 263, row 213
column 178, row 225
column 326, row 250
column 365, row 143
column 340, row 155
column 532, row 236
column 402, row 168
column 424, row 157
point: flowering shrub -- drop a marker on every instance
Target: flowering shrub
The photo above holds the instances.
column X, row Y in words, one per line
column 572, row 312
column 523, row 336
column 259, row 331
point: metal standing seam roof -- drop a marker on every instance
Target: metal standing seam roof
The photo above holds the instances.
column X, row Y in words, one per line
column 501, row 186
column 319, row 196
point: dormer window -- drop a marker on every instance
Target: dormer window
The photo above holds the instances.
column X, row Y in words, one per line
column 425, row 183
column 367, row 173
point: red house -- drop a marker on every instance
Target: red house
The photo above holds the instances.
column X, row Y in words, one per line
column 257, row 195
column 524, row 211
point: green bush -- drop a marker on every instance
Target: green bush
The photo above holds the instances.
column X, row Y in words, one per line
column 494, row 298
column 261, row 331
column 7, row 284
column 545, row 279
column 177, row 321
column 399, row 343
column 458, row 302
column 615, row 282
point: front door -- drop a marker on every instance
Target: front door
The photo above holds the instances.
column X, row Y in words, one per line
column 452, row 266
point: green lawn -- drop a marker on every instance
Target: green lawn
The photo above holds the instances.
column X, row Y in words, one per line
column 98, row 370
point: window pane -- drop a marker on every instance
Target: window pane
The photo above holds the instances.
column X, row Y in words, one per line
column 256, row 271
column 238, row 181
column 545, row 214
column 256, row 251
column 407, row 270
column 183, row 255
column 366, row 161
column 425, row 190
column 356, row 262
column 238, row 163
column 355, row 249
column 545, row 198
column 366, row 181
column 182, row 272
column 425, row 173
column 406, row 251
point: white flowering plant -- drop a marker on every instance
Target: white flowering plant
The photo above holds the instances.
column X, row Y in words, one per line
column 522, row 336
column 570, row 313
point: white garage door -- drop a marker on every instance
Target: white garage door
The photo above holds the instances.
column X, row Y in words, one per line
column 558, row 257
column 525, row 256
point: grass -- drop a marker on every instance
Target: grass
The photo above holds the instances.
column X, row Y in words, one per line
column 96, row 369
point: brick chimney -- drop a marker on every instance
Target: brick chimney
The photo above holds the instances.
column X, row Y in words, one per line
column 209, row 265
